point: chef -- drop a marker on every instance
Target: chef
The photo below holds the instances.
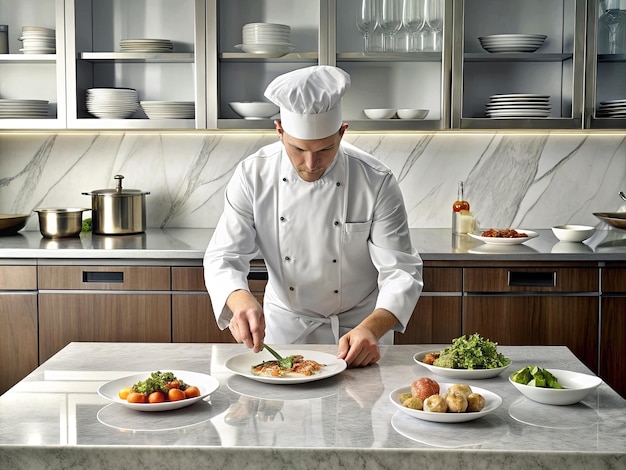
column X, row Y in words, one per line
column 329, row 221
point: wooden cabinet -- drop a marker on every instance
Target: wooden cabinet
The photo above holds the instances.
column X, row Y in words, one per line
column 18, row 317
column 535, row 305
column 193, row 319
column 613, row 328
column 437, row 315
column 102, row 303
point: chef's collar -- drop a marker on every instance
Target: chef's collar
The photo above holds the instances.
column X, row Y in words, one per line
column 310, row 100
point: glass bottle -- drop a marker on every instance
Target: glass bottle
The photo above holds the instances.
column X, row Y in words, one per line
column 463, row 221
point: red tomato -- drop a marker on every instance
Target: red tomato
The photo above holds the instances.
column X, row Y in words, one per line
column 192, row 391
column 175, row 394
column 156, row 397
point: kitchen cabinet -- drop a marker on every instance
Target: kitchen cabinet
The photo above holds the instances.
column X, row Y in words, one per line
column 535, row 304
column 556, row 69
column 605, row 94
column 437, row 315
column 94, row 31
column 18, row 317
column 613, row 326
column 193, row 319
column 33, row 76
column 102, row 303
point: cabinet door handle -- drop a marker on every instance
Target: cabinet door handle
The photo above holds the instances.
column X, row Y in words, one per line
column 532, row 279
column 95, row 276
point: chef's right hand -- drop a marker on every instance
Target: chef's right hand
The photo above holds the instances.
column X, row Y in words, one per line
column 248, row 322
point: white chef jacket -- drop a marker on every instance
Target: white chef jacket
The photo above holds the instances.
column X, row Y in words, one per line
column 335, row 249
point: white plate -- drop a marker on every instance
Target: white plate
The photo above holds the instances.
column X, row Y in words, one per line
column 241, row 364
column 465, row 374
column 271, row 49
column 519, row 95
column 206, row 383
column 492, row 402
column 505, row 241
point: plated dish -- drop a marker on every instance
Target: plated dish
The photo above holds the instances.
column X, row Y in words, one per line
column 505, row 241
column 466, row 374
column 492, row 402
column 241, row 364
column 576, row 387
column 206, row 383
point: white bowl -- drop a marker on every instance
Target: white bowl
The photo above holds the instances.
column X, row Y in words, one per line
column 412, row 113
column 576, row 387
column 573, row 233
column 254, row 109
column 379, row 113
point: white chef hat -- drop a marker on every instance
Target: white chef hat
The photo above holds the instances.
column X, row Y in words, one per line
column 310, row 100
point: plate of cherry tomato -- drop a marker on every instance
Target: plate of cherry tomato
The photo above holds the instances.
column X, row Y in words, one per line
column 195, row 387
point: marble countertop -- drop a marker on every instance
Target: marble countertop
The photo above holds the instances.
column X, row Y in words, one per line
column 54, row 418
column 190, row 244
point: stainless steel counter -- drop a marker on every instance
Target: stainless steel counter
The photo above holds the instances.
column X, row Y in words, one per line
column 54, row 418
column 174, row 245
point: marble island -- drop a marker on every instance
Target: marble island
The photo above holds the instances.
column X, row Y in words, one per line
column 54, row 418
column 189, row 244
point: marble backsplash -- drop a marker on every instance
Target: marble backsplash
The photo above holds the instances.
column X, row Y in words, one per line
column 511, row 180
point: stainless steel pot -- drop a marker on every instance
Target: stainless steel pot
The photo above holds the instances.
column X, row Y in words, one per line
column 60, row 223
column 118, row 211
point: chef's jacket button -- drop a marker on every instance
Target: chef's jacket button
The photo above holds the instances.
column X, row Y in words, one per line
column 292, row 289
column 336, row 291
column 334, row 261
column 338, row 183
column 285, row 180
column 336, row 222
column 282, row 219
column 287, row 258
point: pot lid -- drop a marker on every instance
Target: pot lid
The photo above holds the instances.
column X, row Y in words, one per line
column 118, row 190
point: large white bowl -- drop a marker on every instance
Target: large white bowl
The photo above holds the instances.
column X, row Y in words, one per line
column 460, row 374
column 576, row 387
column 254, row 109
column 379, row 113
column 573, row 233
column 412, row 113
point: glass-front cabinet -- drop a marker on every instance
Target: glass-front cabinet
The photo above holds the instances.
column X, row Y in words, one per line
column 605, row 103
column 32, row 64
column 518, row 64
column 135, row 64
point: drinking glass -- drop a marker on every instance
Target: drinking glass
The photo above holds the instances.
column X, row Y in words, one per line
column 390, row 20
column 433, row 16
column 413, row 21
column 366, row 20
column 614, row 20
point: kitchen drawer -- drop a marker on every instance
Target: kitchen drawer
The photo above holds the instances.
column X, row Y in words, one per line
column 155, row 278
column 614, row 280
column 531, row 279
column 18, row 277
column 192, row 279
column 438, row 279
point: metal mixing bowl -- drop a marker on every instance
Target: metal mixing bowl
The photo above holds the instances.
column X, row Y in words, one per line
column 60, row 223
column 614, row 219
column 10, row 224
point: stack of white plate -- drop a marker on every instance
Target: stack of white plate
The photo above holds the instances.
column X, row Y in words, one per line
column 612, row 109
column 38, row 40
column 266, row 38
column 146, row 45
column 512, row 42
column 518, row 106
column 169, row 109
column 23, row 109
column 112, row 103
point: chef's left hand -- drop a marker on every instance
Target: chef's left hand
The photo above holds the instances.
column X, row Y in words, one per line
column 359, row 347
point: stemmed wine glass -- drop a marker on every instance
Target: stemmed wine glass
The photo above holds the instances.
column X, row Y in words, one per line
column 390, row 20
column 413, row 21
column 615, row 20
column 366, row 20
column 433, row 16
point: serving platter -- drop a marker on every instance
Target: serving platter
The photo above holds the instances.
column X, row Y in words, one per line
column 242, row 364
column 505, row 241
column 206, row 383
column 492, row 402
column 464, row 374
